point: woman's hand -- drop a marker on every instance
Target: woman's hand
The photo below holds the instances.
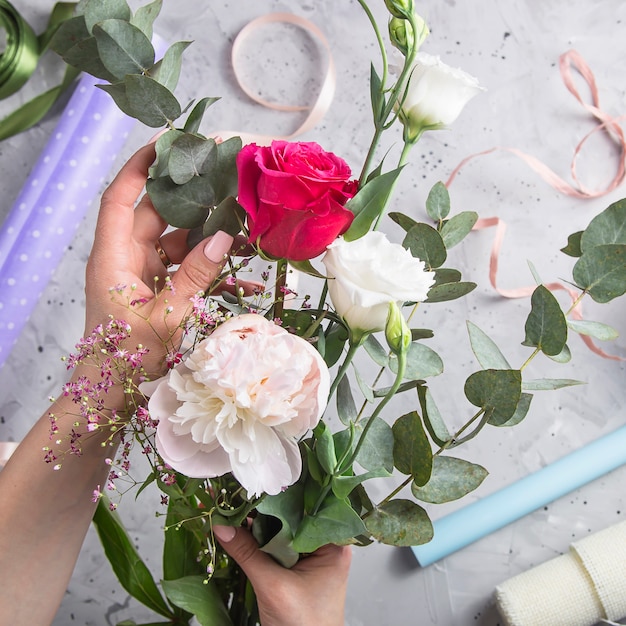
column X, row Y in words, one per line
column 125, row 256
column 312, row 593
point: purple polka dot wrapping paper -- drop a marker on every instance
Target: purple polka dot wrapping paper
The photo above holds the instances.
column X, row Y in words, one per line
column 60, row 188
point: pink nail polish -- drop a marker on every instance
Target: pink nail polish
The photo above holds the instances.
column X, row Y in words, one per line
column 225, row 533
column 218, row 246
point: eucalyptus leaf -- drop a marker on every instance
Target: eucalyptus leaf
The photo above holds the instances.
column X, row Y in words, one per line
column 167, row 70
column 573, row 244
column 451, row 479
column 535, row 273
column 412, row 454
column 421, row 362
column 117, row 91
column 497, row 392
column 151, row 103
column 381, row 392
column 346, row 409
column 449, row 291
column 144, row 17
column 192, row 125
column 433, row 420
column 601, row 272
column 485, row 349
column 84, row 55
column 400, row 523
column 123, row 48
column 454, row 230
column 224, row 175
column 182, row 206
column 376, row 351
column 600, row 331
column 549, row 384
column 565, row 356
column 521, row 410
column 438, row 202
column 190, row 156
column 342, row 486
column 95, row 11
column 606, row 227
column 402, row 220
column 228, row 216
column 68, row 34
column 421, row 333
column 366, row 390
column 546, row 326
column 203, row 601
column 325, row 448
column 334, row 342
column 287, row 507
column 335, row 522
column 131, row 571
column 444, row 275
column 426, row 244
column 377, row 449
column 369, row 203
column 163, row 146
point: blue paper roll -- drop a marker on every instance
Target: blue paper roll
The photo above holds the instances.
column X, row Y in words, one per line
column 479, row 519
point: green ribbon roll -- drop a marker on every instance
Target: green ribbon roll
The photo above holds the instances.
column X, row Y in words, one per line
column 19, row 60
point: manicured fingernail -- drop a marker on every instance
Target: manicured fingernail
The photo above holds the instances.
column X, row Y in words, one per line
column 224, row 533
column 219, row 245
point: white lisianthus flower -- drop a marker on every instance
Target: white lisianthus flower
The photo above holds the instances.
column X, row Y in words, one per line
column 435, row 96
column 239, row 403
column 367, row 274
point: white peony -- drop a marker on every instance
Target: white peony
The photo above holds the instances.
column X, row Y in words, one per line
column 239, row 403
column 369, row 273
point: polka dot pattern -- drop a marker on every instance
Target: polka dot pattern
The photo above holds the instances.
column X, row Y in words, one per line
column 53, row 202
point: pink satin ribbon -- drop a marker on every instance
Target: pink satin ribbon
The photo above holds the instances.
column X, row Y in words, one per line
column 323, row 101
column 608, row 124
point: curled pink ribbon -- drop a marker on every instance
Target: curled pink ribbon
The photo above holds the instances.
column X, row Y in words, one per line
column 323, row 101
column 608, row 124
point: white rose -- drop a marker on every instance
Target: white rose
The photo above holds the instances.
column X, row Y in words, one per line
column 369, row 273
column 239, row 403
column 435, row 96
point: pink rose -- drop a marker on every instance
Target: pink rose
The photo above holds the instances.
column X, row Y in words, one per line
column 239, row 403
column 294, row 195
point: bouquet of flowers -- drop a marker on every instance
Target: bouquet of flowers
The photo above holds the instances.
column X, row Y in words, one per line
column 242, row 425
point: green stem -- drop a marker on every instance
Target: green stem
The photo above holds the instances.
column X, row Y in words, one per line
column 378, row 409
column 281, row 281
column 344, row 367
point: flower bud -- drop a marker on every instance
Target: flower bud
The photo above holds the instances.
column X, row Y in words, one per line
column 397, row 332
column 401, row 34
column 399, row 8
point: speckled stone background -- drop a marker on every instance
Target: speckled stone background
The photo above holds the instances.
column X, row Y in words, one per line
column 513, row 47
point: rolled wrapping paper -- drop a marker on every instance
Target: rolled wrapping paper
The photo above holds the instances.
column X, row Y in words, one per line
column 59, row 190
column 479, row 519
column 66, row 179
column 580, row 588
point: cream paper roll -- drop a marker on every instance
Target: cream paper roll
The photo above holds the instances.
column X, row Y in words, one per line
column 579, row 588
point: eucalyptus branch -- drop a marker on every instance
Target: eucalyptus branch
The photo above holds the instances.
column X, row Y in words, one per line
column 344, row 367
column 381, row 405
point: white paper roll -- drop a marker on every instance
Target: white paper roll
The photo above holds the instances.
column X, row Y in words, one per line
column 576, row 589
